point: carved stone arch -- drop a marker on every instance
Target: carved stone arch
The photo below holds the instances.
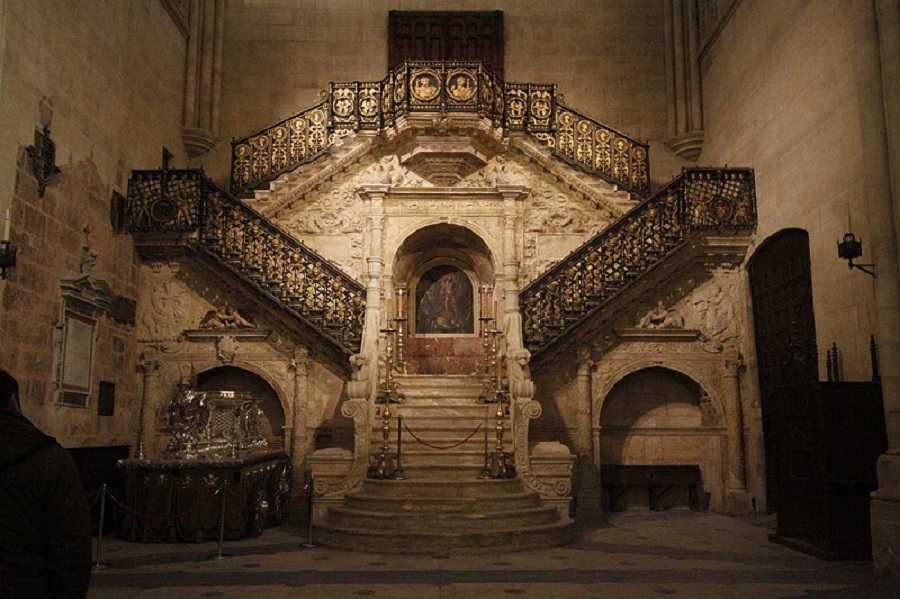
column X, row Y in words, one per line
column 493, row 245
column 707, row 386
column 254, row 368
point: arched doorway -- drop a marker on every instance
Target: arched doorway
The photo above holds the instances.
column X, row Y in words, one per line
column 231, row 378
column 785, row 329
column 442, row 267
column 660, row 417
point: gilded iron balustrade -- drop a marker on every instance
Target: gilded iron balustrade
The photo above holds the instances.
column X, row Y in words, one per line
column 440, row 87
column 185, row 202
column 700, row 199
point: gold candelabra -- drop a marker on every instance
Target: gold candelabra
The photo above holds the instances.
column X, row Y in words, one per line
column 495, row 391
column 387, row 395
column 400, row 325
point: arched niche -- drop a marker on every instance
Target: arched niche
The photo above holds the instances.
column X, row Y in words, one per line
column 442, row 266
column 233, row 378
column 660, row 416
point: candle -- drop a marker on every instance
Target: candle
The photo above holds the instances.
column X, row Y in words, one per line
column 6, row 224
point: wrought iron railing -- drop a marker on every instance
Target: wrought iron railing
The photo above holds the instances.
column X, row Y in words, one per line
column 700, row 199
column 185, row 202
column 440, row 86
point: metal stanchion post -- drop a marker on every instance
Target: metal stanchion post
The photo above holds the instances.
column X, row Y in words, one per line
column 310, row 489
column 98, row 564
column 218, row 556
column 398, row 471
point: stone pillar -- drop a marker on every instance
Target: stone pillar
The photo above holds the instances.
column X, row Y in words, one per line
column 146, row 440
column 588, row 496
column 512, row 317
column 737, row 499
column 683, row 75
column 203, row 76
column 299, row 442
column 375, row 195
column 879, row 75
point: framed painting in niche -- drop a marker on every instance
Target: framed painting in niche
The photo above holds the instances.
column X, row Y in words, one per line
column 77, row 359
column 444, row 302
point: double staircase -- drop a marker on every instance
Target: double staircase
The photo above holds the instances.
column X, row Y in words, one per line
column 442, row 506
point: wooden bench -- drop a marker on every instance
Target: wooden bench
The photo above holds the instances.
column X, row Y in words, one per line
column 661, row 483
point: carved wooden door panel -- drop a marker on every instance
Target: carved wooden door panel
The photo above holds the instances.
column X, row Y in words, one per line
column 427, row 35
column 785, row 330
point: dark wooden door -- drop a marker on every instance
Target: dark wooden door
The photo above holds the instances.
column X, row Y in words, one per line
column 785, row 330
column 428, row 35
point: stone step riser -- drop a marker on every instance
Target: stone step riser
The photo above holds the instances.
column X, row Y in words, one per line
column 433, row 505
column 472, row 543
column 425, row 522
column 442, row 488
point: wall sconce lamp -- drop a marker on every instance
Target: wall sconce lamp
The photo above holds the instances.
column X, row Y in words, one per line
column 7, row 257
column 849, row 249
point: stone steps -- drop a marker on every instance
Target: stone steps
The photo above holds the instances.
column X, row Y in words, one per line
column 418, row 521
column 442, row 516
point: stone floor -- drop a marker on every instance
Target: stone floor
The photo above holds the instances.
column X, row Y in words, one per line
column 638, row 554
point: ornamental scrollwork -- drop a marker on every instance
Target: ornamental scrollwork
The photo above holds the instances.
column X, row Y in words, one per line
column 252, row 247
column 699, row 200
column 439, row 86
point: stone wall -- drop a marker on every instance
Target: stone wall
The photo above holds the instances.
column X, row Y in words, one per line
column 50, row 234
column 783, row 93
column 111, row 73
column 606, row 55
column 183, row 293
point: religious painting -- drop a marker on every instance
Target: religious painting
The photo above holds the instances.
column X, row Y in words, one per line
column 444, row 302
column 425, row 86
column 461, row 86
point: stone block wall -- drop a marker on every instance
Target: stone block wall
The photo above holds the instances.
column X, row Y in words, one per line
column 50, row 234
column 784, row 93
column 111, row 74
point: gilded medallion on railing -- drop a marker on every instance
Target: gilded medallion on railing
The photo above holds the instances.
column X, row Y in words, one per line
column 439, row 87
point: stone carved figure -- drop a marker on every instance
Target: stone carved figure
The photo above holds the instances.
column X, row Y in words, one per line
column 661, row 317
column 165, row 312
column 716, row 318
column 226, row 317
column 226, row 348
column 505, row 172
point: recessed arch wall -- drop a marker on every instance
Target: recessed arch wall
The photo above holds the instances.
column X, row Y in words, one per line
column 241, row 378
column 427, row 246
column 683, row 424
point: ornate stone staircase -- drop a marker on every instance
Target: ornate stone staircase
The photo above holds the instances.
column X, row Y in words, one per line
column 443, row 426
column 443, row 516
column 442, row 506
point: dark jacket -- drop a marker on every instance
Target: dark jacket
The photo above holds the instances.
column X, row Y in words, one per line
column 45, row 539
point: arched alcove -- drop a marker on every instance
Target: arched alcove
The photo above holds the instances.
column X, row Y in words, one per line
column 658, row 416
column 442, row 266
column 232, row 378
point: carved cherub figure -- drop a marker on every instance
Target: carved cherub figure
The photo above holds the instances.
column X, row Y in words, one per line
column 662, row 318
column 226, row 317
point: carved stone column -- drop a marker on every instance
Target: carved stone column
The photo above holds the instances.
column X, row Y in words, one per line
column 588, row 497
column 299, row 416
column 203, row 76
column 149, row 365
column 375, row 262
column 512, row 317
column 738, row 501
column 683, row 74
